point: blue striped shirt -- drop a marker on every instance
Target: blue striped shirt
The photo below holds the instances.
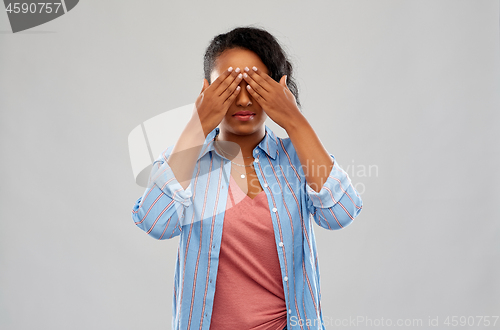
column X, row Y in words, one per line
column 196, row 214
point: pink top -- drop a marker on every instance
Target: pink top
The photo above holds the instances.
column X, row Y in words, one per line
column 249, row 290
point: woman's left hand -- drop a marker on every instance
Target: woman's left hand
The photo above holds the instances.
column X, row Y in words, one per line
column 275, row 98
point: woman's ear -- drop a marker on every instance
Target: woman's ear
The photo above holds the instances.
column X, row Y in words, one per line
column 283, row 81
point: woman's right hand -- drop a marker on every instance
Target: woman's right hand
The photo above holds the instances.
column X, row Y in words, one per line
column 214, row 100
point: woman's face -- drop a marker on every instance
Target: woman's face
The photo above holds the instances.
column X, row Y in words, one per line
column 241, row 58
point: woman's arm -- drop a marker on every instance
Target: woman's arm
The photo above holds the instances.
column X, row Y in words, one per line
column 159, row 212
column 331, row 198
column 186, row 151
column 316, row 161
column 160, row 209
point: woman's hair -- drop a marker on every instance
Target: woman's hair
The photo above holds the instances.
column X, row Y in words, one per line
column 258, row 41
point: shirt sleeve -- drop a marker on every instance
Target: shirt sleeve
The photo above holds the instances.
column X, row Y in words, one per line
column 160, row 210
column 337, row 203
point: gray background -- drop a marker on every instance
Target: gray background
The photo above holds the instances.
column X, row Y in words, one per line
column 411, row 87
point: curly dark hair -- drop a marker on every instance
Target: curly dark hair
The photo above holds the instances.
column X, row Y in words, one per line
column 261, row 42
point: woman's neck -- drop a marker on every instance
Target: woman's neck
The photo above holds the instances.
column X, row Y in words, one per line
column 245, row 142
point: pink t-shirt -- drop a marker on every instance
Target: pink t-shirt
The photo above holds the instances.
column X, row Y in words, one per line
column 249, row 290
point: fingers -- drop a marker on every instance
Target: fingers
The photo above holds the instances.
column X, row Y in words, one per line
column 231, row 97
column 256, row 96
column 258, row 80
column 232, row 87
column 224, row 85
column 222, row 77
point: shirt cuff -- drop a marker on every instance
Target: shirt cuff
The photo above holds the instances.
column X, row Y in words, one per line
column 332, row 190
column 163, row 176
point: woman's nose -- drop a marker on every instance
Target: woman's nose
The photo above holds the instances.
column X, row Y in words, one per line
column 243, row 98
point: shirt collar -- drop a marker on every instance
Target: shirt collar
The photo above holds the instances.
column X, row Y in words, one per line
column 269, row 144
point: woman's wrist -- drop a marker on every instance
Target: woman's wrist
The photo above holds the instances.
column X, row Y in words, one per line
column 295, row 123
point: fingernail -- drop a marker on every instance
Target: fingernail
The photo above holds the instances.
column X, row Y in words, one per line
column 239, row 76
column 230, row 69
column 245, row 75
column 254, row 69
column 237, row 70
column 247, row 69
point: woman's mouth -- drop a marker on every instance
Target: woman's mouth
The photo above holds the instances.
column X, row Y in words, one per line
column 244, row 116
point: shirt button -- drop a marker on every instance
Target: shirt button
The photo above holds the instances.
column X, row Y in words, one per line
column 289, row 311
column 265, row 185
column 275, row 209
column 286, row 278
column 280, row 244
column 213, row 246
column 257, row 151
column 256, row 160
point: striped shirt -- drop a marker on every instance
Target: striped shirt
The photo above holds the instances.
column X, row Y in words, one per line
column 196, row 215
column 249, row 290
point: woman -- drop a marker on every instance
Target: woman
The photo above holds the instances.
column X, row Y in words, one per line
column 242, row 199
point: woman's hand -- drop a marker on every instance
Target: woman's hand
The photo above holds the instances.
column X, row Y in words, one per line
column 214, row 100
column 275, row 98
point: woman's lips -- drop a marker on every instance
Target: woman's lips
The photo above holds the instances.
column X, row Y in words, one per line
column 244, row 117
